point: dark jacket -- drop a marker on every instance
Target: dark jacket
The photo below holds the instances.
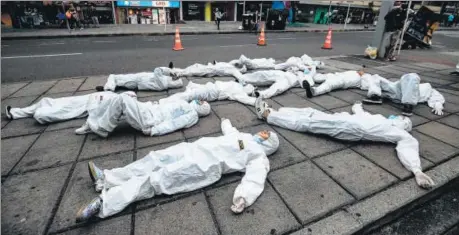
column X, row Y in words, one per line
column 395, row 19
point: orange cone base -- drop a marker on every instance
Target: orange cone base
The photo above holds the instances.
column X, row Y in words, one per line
column 259, row 44
column 327, row 48
column 178, row 49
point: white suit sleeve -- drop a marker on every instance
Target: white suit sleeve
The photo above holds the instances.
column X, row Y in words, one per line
column 185, row 120
column 408, row 152
column 436, row 99
column 253, row 182
column 227, row 128
column 244, row 98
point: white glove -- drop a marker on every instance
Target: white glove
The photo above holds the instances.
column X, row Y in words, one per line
column 238, row 205
column 423, row 180
column 438, row 109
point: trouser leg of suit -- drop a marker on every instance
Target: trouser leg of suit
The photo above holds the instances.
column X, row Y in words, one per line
column 303, row 120
column 279, row 87
column 29, row 111
column 374, row 87
column 174, row 83
column 327, row 86
column 319, row 78
column 105, row 118
column 128, row 81
column 409, row 86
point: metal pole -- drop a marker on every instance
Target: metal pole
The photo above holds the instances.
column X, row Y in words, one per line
column 66, row 19
column 328, row 15
column 114, row 14
column 243, row 8
column 378, row 35
column 261, row 9
column 404, row 28
column 347, row 15
column 165, row 19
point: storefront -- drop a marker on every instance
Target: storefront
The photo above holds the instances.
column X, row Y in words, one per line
column 148, row 12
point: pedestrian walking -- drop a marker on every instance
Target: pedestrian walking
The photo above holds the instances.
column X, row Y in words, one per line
column 218, row 17
column 450, row 20
column 395, row 20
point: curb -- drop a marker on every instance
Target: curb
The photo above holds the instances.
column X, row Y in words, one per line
column 393, row 215
column 6, row 37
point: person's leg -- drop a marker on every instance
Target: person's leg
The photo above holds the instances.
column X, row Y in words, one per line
column 279, row 87
column 394, row 40
column 218, row 24
column 171, row 83
column 374, row 91
column 29, row 111
column 105, row 118
column 409, row 87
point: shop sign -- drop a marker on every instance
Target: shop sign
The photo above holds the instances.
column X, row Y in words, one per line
column 171, row 4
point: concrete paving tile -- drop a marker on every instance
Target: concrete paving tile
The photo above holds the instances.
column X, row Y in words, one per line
column 311, row 145
column 387, row 110
column 238, row 114
column 338, row 223
column 56, row 95
column 426, row 111
column 444, row 133
column 341, row 65
column 451, row 98
column 285, row 155
column 268, row 215
column 190, row 215
column 87, row 92
column 4, row 121
column 151, row 98
column 381, row 204
column 447, row 72
column 80, row 189
column 346, row 109
column 446, row 171
column 434, row 66
column 13, row 149
column 201, row 80
column 206, row 125
column 385, row 156
column 358, row 175
column 27, row 200
column 143, row 140
column 453, row 92
column 221, row 102
column 24, row 126
column 450, row 107
column 408, row 70
column 91, row 82
column 308, row 191
column 52, row 148
column 34, row 88
column 20, row 102
column 436, row 74
column 434, row 80
column 116, row 142
column 74, row 124
column 414, row 66
column 456, row 85
column 224, row 79
column 295, row 101
column 66, row 85
column 452, row 120
column 328, row 102
column 347, row 96
column 119, row 225
column 10, row 88
column 432, row 149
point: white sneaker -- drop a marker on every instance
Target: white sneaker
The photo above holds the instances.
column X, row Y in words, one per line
column 83, row 129
column 260, row 107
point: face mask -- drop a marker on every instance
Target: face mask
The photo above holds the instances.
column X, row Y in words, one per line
column 306, row 71
column 197, row 102
column 258, row 139
column 391, row 117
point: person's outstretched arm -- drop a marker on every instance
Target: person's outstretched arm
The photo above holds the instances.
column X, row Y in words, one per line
column 436, row 101
column 227, row 128
column 252, row 184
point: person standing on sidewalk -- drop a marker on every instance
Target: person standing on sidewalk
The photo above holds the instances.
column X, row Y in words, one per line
column 218, row 17
column 394, row 25
column 92, row 13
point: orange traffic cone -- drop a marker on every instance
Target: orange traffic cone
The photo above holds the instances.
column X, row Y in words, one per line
column 328, row 40
column 261, row 39
column 178, row 43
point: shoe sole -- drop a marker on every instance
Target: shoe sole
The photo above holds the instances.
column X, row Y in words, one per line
column 307, row 87
column 407, row 114
column 79, row 214
column 8, row 113
column 372, row 101
column 92, row 171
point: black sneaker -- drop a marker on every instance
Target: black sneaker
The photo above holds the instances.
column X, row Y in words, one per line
column 374, row 99
column 215, row 62
column 307, row 87
column 8, row 112
column 257, row 93
column 99, row 88
column 171, row 65
column 407, row 110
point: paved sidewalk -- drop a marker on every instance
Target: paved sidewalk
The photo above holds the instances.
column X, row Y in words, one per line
column 191, row 27
column 317, row 185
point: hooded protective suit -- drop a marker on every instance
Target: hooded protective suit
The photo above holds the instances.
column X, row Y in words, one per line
column 407, row 90
column 358, row 126
column 151, row 118
column 280, row 81
column 220, row 69
column 254, row 64
column 215, row 91
column 297, row 63
column 189, row 166
column 334, row 81
column 158, row 80
column 49, row 110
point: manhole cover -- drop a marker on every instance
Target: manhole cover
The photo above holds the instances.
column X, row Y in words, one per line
column 360, row 60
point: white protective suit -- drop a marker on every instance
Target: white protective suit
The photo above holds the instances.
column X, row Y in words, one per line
column 279, row 81
column 220, row 69
column 49, row 110
column 297, row 63
column 189, row 166
column 407, row 90
column 158, row 80
column 215, row 91
column 150, row 118
column 254, row 64
column 358, row 126
column 334, row 81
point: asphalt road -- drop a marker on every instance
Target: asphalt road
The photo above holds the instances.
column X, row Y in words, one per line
column 25, row 60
